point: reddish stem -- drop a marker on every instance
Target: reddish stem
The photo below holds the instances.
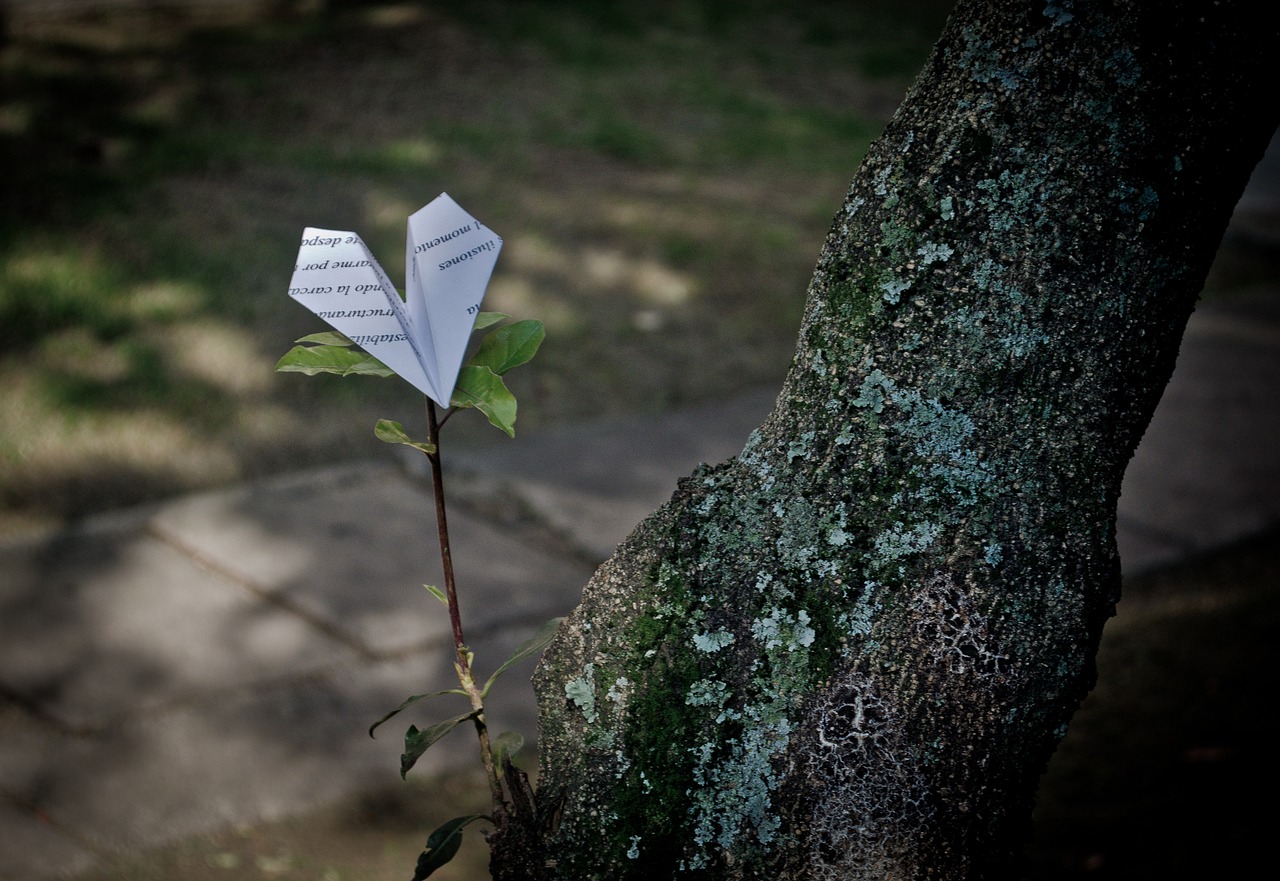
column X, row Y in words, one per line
column 463, row 656
column 442, row 526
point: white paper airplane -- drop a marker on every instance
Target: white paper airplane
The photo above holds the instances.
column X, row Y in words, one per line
column 448, row 261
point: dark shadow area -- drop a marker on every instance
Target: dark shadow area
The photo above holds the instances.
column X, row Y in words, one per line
column 1165, row 771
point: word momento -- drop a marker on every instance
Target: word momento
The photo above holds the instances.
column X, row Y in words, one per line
column 422, row 338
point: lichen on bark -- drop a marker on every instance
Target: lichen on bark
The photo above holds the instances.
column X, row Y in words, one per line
column 849, row 651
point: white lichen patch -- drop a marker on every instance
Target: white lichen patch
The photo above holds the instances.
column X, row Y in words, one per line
column 617, row 693
column 956, row 631
column 869, row 793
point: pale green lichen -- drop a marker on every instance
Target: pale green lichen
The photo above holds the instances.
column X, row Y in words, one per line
column 735, row 791
column 781, row 629
column 735, row 780
column 707, row 693
column 1059, row 14
column 838, row 537
column 1008, row 199
column 893, row 289
column 874, row 391
column 900, row 540
column 994, row 553
column 1123, row 65
column 857, row 622
column 800, row 447
column 582, row 691
column 934, row 252
column 712, row 641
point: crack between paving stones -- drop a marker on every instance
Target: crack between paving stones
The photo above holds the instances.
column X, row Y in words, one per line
column 38, row 714
column 205, row 562
column 502, row 503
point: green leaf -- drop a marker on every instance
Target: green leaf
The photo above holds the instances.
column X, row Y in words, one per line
column 442, row 845
column 410, row 701
column 483, row 389
column 437, row 593
column 331, row 359
column 531, row 646
column 391, row 432
column 509, row 346
column 418, row 742
column 506, row 745
column 488, row 319
column 326, row 338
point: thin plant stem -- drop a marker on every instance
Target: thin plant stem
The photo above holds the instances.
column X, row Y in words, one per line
column 442, row 527
column 462, row 662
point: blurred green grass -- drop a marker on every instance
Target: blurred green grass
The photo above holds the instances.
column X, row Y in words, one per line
column 663, row 175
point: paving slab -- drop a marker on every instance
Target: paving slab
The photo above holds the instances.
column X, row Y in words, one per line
column 95, row 626
column 593, row 483
column 32, row 843
column 1208, row 469
column 34, row 848
column 250, row 756
column 238, row 644
column 350, row 549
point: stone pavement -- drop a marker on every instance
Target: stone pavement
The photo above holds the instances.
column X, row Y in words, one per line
column 217, row 658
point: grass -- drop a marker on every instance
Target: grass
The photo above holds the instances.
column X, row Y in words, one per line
column 663, row 175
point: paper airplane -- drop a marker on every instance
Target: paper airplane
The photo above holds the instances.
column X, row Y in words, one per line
column 423, row 338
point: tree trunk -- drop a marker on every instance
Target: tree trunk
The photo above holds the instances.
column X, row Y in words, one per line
column 849, row 652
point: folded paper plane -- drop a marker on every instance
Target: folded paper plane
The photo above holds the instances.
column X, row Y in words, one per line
column 423, row 337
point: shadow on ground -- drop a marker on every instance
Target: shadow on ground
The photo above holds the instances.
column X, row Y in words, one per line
column 1159, row 778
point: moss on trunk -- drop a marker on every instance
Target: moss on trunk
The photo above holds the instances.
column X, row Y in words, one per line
column 849, row 651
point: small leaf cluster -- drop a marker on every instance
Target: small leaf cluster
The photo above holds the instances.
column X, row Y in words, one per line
column 480, row 384
column 417, row 742
column 443, row 843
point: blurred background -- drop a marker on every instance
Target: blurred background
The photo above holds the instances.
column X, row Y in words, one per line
column 663, row 174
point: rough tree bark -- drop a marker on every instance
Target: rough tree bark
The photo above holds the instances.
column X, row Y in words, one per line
column 849, row 651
